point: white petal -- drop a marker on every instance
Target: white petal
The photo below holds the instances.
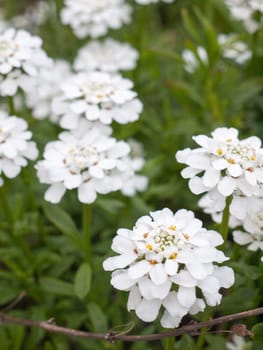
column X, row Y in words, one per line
column 197, row 270
column 210, row 284
column 134, row 298
column 158, row 274
column 118, row 262
column 226, row 186
column 235, row 170
column 167, row 321
column 55, row 193
column 186, row 296
column 122, row 281
column 211, row 177
column 184, row 278
column 173, row 306
column 139, row 269
column 196, row 185
column 171, row 266
column 147, row 310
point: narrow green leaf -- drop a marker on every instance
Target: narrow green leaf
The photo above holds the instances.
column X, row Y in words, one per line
column 56, row 286
column 97, row 318
column 82, row 281
column 61, row 220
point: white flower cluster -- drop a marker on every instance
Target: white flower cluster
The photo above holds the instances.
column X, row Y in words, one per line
column 231, row 47
column 229, row 167
column 224, row 163
column 95, row 18
column 89, row 159
column 96, row 96
column 168, row 260
column 45, row 87
column 21, row 56
column 107, row 56
column 244, row 10
column 15, row 145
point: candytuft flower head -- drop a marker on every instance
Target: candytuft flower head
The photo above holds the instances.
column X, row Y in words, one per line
column 15, row 145
column 97, row 96
column 223, row 163
column 165, row 261
column 21, row 56
column 45, row 87
column 95, row 18
column 88, row 159
column 107, row 56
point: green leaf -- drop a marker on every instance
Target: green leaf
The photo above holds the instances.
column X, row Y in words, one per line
column 61, row 220
column 56, row 286
column 82, row 281
column 97, row 318
column 8, row 293
column 258, row 332
column 110, row 205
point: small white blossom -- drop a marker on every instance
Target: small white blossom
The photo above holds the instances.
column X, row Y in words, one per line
column 108, row 56
column 45, row 87
column 244, row 10
column 237, row 343
column 15, row 145
column 231, row 48
column 95, row 18
column 97, row 96
column 21, row 56
column 132, row 182
column 87, row 159
column 164, row 261
column 223, row 163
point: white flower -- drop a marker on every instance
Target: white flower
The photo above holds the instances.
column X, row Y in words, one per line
column 45, row 87
column 192, row 59
column 165, row 261
column 15, row 147
column 95, row 18
column 21, row 56
column 34, row 16
column 237, row 343
column 133, row 182
column 146, row 2
column 108, row 56
column 234, row 49
column 231, row 48
column 87, row 159
column 223, row 163
column 244, row 11
column 97, row 96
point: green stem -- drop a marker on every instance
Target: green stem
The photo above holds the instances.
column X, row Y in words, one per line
column 11, row 105
column 5, row 205
column 225, row 219
column 86, row 221
column 169, row 343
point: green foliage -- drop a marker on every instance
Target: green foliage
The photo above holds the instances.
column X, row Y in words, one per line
column 41, row 244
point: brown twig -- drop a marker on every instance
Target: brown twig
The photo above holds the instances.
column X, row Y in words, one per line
column 51, row 327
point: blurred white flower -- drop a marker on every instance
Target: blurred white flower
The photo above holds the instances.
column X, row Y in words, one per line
column 21, row 56
column 237, row 343
column 165, row 260
column 45, row 87
column 97, row 96
column 234, row 49
column 95, row 18
column 192, row 59
column 244, row 11
column 34, row 16
column 231, row 47
column 132, row 182
column 88, row 159
column 15, row 145
column 108, row 56
column 224, row 163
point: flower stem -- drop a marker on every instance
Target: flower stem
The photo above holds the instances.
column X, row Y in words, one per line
column 5, row 205
column 169, row 343
column 225, row 219
column 11, row 105
column 86, row 220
